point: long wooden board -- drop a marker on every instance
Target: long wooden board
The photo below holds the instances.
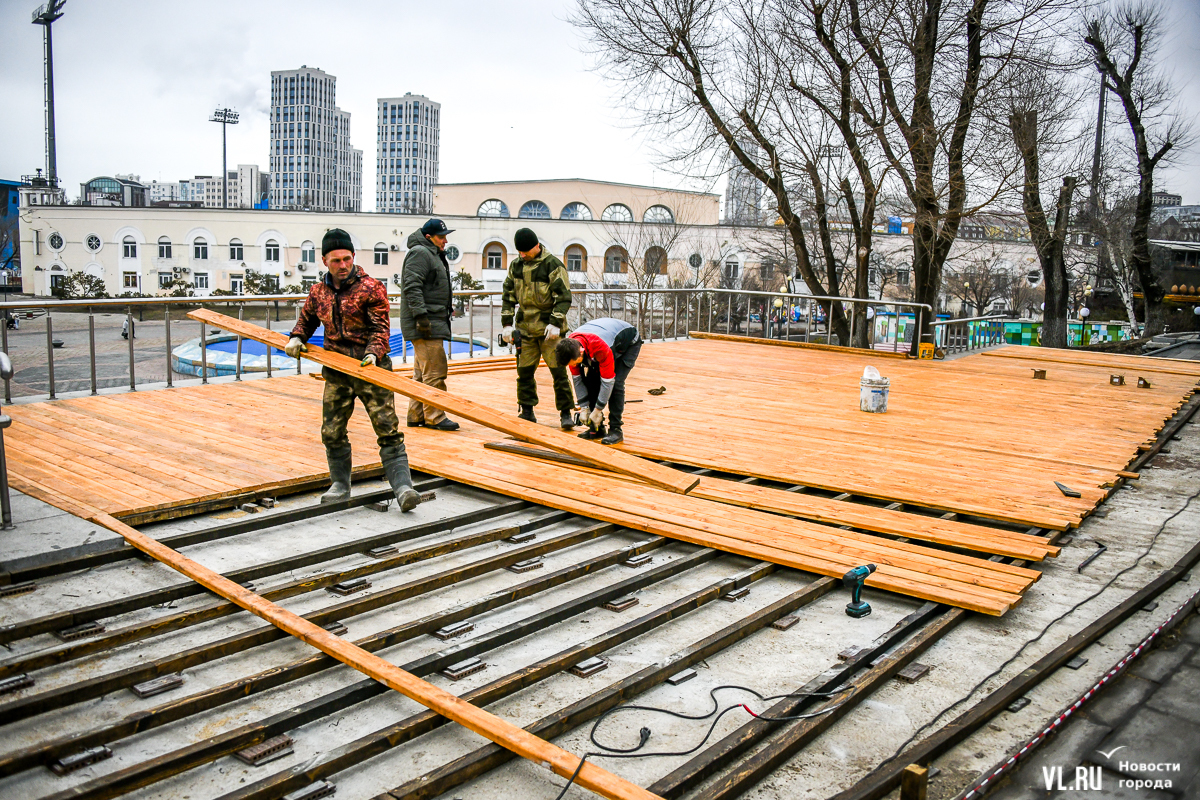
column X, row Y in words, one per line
column 598, row 455
column 505, row 734
column 832, row 348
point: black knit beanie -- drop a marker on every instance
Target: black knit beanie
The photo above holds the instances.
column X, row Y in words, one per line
column 336, row 239
column 525, row 240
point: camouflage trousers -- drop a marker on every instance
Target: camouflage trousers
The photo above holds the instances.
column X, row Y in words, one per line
column 337, row 406
column 533, row 351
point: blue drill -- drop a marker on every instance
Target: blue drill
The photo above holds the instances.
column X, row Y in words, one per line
column 854, row 580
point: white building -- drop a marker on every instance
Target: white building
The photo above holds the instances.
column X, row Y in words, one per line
column 407, row 135
column 312, row 164
column 744, row 192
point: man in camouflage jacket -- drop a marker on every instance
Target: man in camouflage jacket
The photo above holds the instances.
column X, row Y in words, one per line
column 354, row 309
column 537, row 297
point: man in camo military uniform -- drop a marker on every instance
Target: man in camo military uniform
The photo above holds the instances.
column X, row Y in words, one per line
column 537, row 296
column 354, row 309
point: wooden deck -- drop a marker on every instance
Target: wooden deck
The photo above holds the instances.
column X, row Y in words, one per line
column 975, row 436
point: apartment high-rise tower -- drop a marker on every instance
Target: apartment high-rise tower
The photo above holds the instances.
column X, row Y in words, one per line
column 312, row 163
column 406, row 167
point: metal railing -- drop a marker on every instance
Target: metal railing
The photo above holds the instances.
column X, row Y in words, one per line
column 658, row 313
column 968, row 333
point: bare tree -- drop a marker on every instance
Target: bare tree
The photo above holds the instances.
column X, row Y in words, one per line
column 1112, row 224
column 980, row 280
column 1124, row 40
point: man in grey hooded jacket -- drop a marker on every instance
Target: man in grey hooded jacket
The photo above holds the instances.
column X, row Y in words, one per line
column 426, row 302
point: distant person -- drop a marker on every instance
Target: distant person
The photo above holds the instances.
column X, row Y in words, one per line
column 354, row 309
column 426, row 300
column 537, row 297
column 600, row 355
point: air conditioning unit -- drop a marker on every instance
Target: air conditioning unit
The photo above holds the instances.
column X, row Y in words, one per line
column 187, row 269
column 395, row 248
column 287, row 273
column 176, row 270
column 301, row 267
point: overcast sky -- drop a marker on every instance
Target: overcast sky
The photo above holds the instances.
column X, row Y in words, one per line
column 135, row 83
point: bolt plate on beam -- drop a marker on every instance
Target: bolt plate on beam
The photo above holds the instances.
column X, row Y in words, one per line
column 736, row 594
column 620, row 604
column 850, row 652
column 451, row 631
column 349, row 587
column 1018, row 704
column 164, row 683
column 383, row 551
column 589, row 667
column 1076, row 662
column 462, row 669
column 528, row 565
column 251, row 508
column 10, row 685
column 336, row 628
column 312, row 791
column 81, row 631
column 637, row 561
column 382, row 505
column 783, row 623
column 682, row 677
column 258, row 754
column 913, row 672
column 522, row 537
column 14, row 589
column 68, row 764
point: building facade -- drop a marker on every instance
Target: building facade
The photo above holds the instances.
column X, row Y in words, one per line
column 121, row 190
column 312, row 165
column 743, row 192
column 408, row 151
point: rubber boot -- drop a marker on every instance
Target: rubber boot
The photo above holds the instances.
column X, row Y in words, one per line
column 527, row 414
column 566, row 420
column 395, row 467
column 339, row 473
column 614, row 437
column 599, row 433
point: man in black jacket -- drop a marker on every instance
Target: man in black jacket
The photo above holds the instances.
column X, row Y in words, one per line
column 425, row 306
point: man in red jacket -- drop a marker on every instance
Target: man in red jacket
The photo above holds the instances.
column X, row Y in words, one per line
column 600, row 355
column 354, row 309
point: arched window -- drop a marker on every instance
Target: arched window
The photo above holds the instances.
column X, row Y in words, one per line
column 617, row 212
column 616, row 260
column 129, row 247
column 308, row 253
column 236, row 251
column 656, row 261
column 576, row 258
column 164, row 247
column 200, row 249
column 534, row 209
column 381, row 254
column 493, row 208
column 272, row 253
column 495, row 256
column 576, row 211
column 659, row 214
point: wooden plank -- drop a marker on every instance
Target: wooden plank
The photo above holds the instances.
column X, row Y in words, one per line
column 596, row 454
column 832, row 348
column 505, row 734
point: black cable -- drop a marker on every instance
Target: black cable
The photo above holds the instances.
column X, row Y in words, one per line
column 1049, row 625
column 607, row 751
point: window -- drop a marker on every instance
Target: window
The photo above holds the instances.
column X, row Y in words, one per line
column 495, row 258
column 129, row 280
column 200, row 280
column 767, row 270
column 57, row 281
column 55, row 241
column 656, row 261
column 732, row 268
column 615, row 260
column 93, row 243
column 381, row 254
column 534, row 209
column 617, row 212
column 574, row 262
column 493, row 208
column 128, row 247
column 164, row 247
column 164, row 280
column 308, row 283
column 902, row 277
column 236, row 283
column 272, row 251
column 308, row 253
column 236, row 252
column 200, row 250
column 659, row 214
column 576, row 211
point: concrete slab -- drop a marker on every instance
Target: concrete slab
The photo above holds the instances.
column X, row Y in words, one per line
column 45, row 534
column 1152, row 738
column 1191, row 631
column 1119, row 699
column 1160, row 664
column 1179, row 696
column 1067, row 750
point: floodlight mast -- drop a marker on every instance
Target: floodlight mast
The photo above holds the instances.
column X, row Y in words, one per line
column 225, row 116
column 45, row 16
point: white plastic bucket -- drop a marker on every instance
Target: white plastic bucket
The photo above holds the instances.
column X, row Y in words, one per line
column 873, row 392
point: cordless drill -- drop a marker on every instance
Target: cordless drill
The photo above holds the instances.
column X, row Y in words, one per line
column 854, row 580
column 516, row 340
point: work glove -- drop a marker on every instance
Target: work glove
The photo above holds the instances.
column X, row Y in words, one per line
column 553, row 332
column 369, row 361
column 506, row 334
column 596, row 418
column 423, row 329
column 295, row 347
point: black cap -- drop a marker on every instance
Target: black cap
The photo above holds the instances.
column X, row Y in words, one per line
column 525, row 240
column 336, row 239
column 435, row 227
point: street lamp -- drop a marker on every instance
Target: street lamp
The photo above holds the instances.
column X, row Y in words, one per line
column 45, row 16
column 225, row 116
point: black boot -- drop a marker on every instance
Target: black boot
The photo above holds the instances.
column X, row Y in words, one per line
column 599, row 433
column 527, row 414
column 395, row 467
column 566, row 420
column 339, row 472
column 614, row 437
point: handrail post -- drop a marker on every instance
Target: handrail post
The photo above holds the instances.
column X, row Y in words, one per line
column 167, row 332
column 470, row 326
column 4, row 346
column 92, row 347
column 132, row 368
column 237, row 366
column 204, row 354
column 269, row 348
column 50, row 351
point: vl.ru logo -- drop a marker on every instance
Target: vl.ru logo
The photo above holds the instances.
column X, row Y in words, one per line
column 1086, row 779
